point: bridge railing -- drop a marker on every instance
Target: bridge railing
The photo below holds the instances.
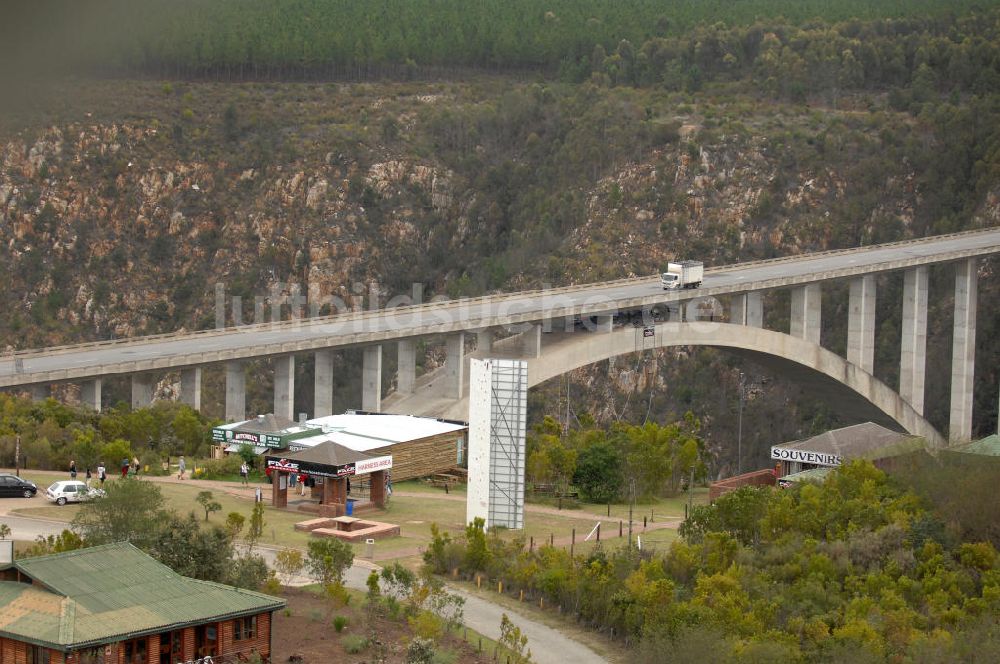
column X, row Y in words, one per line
column 444, row 305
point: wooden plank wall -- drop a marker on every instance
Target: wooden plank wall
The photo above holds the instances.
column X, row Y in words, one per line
column 422, row 457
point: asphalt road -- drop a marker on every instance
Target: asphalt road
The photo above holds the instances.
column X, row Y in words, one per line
column 452, row 315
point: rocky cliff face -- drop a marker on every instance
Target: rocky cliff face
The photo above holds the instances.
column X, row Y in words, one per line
column 122, row 220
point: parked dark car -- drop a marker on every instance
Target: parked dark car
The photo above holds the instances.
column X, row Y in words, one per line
column 12, row 485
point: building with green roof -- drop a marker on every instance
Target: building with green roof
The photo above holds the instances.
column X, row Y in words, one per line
column 114, row 603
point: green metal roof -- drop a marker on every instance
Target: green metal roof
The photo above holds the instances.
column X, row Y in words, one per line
column 108, row 593
column 989, row 446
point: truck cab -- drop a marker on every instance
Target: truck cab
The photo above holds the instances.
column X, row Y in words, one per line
column 685, row 274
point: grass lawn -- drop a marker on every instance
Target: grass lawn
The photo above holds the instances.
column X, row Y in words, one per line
column 413, row 513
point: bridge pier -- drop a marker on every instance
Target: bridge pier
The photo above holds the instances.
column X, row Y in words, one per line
column 284, row 386
column 484, row 340
column 406, row 361
column 963, row 353
column 913, row 347
column 806, row 312
column 747, row 309
column 191, row 387
column 236, row 391
column 142, row 390
column 40, row 392
column 90, row 394
column 371, row 379
column 454, row 364
column 861, row 323
column 323, row 383
column 531, row 341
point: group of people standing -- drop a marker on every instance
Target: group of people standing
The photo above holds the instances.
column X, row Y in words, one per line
column 102, row 472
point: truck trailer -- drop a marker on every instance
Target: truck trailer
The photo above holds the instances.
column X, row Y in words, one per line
column 685, row 274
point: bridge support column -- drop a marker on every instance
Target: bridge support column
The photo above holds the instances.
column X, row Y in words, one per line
column 532, row 341
column 236, row 391
column 454, row 364
column 861, row 323
column 90, row 394
column 913, row 349
column 371, row 379
column 142, row 390
column 806, row 312
column 747, row 309
column 484, row 341
column 191, row 387
column 604, row 324
column 323, row 383
column 963, row 352
column 284, row 386
column 406, row 361
column 40, row 392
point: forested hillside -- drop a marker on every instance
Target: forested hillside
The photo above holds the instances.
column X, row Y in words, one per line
column 616, row 143
column 861, row 568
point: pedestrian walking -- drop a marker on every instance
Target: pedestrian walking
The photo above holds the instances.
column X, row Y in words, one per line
column 244, row 473
column 89, row 477
column 102, row 473
column 135, row 465
column 181, row 466
column 125, row 466
column 72, row 469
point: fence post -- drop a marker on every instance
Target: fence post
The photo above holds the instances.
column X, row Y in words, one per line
column 619, row 528
column 552, row 539
column 644, row 522
column 598, row 531
column 572, row 543
column 531, row 544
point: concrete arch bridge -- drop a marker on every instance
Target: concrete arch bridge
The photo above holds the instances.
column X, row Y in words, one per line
column 851, row 391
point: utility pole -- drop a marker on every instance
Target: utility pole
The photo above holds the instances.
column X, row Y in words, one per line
column 739, row 432
column 631, row 504
column 17, row 455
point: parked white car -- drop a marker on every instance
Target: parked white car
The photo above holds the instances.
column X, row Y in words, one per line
column 71, row 491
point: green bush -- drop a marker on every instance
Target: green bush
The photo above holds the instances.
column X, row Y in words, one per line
column 220, row 468
column 353, row 643
column 339, row 623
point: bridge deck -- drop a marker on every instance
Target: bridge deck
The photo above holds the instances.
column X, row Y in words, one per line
column 179, row 350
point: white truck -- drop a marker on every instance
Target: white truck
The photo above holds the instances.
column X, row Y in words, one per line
column 685, row 274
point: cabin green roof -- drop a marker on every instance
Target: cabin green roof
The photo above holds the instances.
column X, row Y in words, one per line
column 989, row 446
column 110, row 593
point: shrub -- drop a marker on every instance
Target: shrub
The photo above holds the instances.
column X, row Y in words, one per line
column 353, row 643
column 420, row 651
column 339, row 623
column 427, row 625
column 217, row 468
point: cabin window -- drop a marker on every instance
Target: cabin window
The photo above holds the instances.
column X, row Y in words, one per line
column 245, row 628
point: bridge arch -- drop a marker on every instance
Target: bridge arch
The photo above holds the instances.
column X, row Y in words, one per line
column 850, row 389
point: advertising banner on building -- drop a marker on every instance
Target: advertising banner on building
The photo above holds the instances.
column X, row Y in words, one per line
column 298, row 466
column 805, row 456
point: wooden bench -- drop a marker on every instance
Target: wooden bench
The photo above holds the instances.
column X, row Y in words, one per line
column 548, row 489
column 575, row 495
